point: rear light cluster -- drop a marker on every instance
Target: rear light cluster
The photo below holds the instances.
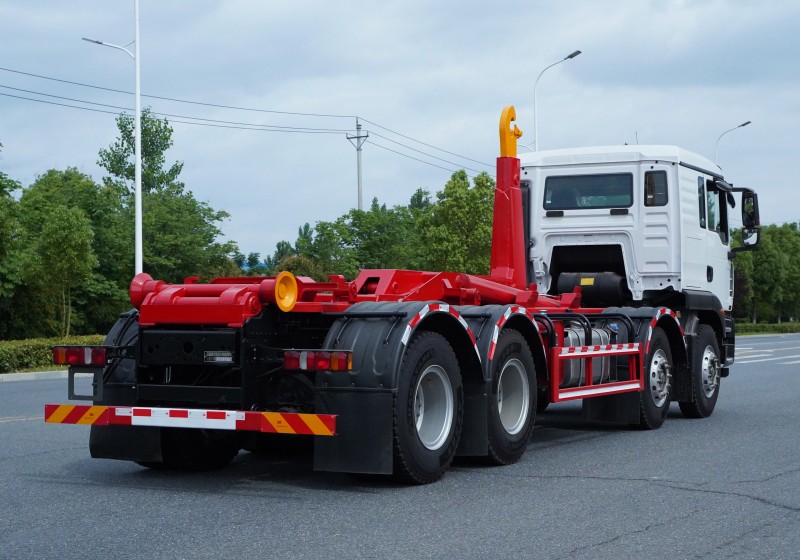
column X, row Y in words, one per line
column 80, row 356
column 317, row 360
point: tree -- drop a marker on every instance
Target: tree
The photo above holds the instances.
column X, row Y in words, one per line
column 787, row 242
column 180, row 233
column 769, row 277
column 100, row 298
column 282, row 250
column 118, row 159
column 63, row 256
column 10, row 265
column 458, row 232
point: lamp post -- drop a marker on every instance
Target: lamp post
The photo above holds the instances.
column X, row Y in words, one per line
column 535, row 118
column 137, row 193
column 723, row 134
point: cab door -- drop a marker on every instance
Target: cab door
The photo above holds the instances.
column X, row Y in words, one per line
column 718, row 269
column 694, row 238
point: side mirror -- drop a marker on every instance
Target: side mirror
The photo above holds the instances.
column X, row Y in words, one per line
column 751, row 224
column 750, row 237
column 750, row 219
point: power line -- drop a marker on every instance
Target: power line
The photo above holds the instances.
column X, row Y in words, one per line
column 418, row 142
column 411, row 157
column 424, row 153
column 243, row 126
column 224, row 124
column 261, row 128
column 238, row 108
column 267, row 126
column 177, row 100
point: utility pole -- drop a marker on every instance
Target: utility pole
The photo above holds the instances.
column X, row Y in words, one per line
column 357, row 140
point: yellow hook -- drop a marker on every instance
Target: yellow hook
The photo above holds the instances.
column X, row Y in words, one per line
column 508, row 135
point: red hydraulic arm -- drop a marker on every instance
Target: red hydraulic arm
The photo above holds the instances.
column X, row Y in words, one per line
column 508, row 239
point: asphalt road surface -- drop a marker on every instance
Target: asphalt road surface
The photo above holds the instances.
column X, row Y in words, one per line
column 724, row 487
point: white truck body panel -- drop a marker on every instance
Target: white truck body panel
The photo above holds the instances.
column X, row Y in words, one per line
column 682, row 242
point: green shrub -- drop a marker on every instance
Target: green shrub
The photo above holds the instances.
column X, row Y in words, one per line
column 18, row 355
column 767, row 328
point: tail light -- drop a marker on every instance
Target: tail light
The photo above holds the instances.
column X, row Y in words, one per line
column 317, row 360
column 80, row 355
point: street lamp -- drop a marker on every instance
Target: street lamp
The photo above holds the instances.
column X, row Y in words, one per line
column 137, row 193
column 723, row 134
column 535, row 118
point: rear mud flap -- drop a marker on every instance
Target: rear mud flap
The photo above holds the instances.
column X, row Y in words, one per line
column 364, row 431
column 127, row 443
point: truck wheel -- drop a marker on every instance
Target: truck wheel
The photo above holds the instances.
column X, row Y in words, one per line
column 196, row 450
column 512, row 402
column 654, row 400
column 705, row 375
column 428, row 410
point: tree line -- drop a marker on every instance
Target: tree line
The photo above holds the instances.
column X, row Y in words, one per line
column 66, row 253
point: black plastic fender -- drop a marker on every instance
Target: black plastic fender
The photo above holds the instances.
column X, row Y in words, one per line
column 377, row 333
column 486, row 322
column 118, row 380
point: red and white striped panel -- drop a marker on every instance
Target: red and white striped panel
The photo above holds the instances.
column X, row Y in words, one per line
column 268, row 422
column 661, row 313
column 600, row 349
column 512, row 310
column 438, row 308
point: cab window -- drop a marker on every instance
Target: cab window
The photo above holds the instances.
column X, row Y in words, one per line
column 571, row 192
column 717, row 211
column 701, row 199
column 655, row 188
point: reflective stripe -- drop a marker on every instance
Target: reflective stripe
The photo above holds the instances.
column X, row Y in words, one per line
column 271, row 422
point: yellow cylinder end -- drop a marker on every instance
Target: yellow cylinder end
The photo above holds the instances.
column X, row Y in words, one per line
column 285, row 291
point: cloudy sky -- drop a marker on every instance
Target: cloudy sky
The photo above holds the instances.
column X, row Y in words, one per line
column 439, row 73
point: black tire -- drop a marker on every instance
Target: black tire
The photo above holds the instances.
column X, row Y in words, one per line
column 512, row 401
column 542, row 400
column 428, row 410
column 705, row 375
column 654, row 399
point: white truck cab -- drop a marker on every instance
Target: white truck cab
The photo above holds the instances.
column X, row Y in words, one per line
column 637, row 226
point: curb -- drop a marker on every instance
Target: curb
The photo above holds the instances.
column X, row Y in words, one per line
column 38, row 376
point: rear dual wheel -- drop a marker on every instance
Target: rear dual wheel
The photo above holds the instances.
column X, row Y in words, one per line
column 512, row 403
column 428, row 410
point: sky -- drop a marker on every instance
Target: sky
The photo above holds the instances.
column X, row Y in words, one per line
column 428, row 81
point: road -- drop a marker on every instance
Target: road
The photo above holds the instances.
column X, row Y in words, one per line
column 723, row 487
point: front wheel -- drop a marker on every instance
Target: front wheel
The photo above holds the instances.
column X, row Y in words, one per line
column 512, row 402
column 654, row 400
column 705, row 375
column 428, row 410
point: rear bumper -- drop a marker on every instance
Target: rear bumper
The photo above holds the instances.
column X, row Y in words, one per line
column 233, row 420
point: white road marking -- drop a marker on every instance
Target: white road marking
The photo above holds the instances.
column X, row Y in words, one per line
column 19, row 419
column 767, row 359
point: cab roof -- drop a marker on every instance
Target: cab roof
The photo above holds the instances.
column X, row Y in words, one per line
column 617, row 154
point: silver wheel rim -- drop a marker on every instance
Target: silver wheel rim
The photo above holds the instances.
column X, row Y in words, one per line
column 433, row 407
column 659, row 377
column 513, row 397
column 709, row 371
